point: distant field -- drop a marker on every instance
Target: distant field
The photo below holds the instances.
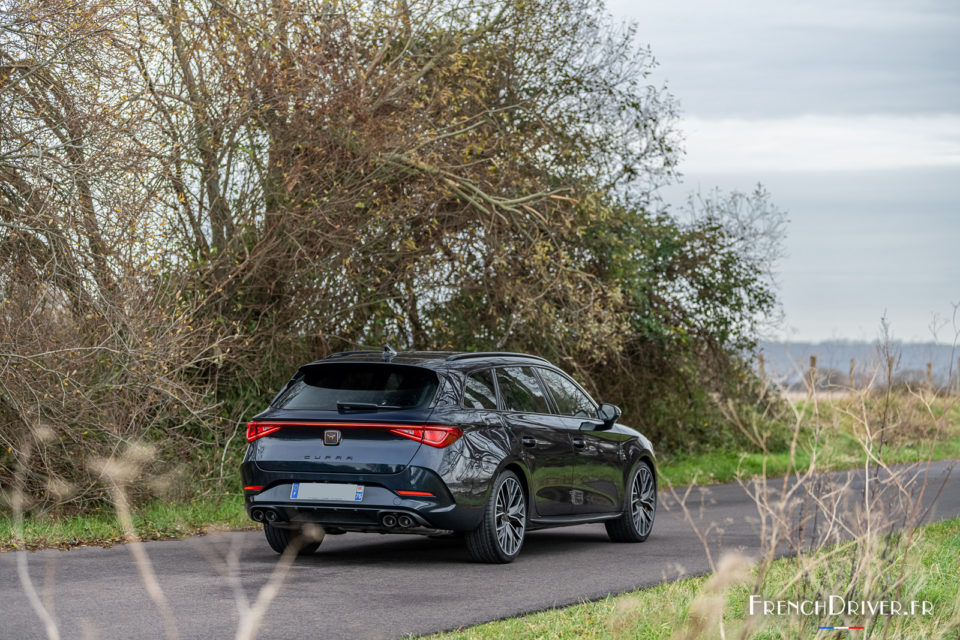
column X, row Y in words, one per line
column 841, row 430
column 787, row 362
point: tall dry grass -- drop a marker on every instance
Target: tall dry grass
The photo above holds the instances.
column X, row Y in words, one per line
column 848, row 534
column 122, row 473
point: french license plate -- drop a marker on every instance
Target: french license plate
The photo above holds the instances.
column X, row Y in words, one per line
column 326, row 491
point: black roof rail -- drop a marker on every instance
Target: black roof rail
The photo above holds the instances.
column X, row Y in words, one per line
column 494, row 354
column 342, row 354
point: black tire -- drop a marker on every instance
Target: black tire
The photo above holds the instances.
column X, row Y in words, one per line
column 499, row 537
column 279, row 539
column 640, row 507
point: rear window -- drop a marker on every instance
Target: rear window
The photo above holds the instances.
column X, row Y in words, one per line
column 322, row 387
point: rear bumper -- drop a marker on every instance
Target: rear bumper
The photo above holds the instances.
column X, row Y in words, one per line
column 440, row 511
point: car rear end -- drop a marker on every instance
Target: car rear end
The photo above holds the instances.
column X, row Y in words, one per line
column 353, row 446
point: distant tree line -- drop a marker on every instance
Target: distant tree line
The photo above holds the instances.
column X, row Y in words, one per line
column 197, row 196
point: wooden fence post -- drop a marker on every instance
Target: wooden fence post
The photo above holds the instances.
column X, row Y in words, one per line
column 930, row 375
column 761, row 366
column 852, row 369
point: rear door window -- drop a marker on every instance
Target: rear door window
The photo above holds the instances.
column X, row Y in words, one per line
column 569, row 398
column 521, row 391
column 322, row 387
column 479, row 392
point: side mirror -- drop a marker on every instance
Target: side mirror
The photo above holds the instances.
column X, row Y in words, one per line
column 609, row 413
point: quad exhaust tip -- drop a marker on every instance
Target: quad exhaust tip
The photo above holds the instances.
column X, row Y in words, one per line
column 401, row 520
column 264, row 515
column 389, row 520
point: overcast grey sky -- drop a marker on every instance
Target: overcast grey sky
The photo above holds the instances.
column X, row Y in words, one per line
column 849, row 113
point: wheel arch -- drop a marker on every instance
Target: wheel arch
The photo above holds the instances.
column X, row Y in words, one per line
column 522, row 474
column 517, row 466
column 638, row 450
column 647, row 456
column 638, row 457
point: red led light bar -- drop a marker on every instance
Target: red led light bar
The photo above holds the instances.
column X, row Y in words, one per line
column 435, row 435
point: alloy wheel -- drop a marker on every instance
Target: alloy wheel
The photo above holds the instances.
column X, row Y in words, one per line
column 511, row 516
column 644, row 500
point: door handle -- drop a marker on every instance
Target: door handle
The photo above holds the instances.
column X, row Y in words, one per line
column 528, row 441
column 579, row 443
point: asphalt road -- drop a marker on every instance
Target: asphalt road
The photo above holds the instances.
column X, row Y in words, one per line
column 373, row 586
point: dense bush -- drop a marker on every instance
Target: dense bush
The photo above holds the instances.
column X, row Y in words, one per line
column 196, row 198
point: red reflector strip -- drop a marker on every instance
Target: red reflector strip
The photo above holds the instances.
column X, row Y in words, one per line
column 256, row 487
column 416, row 493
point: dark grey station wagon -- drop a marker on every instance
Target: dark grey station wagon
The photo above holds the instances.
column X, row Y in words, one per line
column 487, row 445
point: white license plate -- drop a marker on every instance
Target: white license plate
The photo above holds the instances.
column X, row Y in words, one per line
column 326, row 491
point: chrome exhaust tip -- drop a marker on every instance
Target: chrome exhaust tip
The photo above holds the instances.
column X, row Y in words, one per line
column 389, row 520
column 257, row 515
column 270, row 515
column 406, row 522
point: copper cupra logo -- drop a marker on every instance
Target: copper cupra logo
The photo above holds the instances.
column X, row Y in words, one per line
column 331, row 437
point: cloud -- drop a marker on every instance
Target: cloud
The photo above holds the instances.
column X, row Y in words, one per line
column 821, row 143
column 756, row 58
column 849, row 112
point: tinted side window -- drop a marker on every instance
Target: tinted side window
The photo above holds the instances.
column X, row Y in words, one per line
column 521, row 390
column 571, row 401
column 479, row 392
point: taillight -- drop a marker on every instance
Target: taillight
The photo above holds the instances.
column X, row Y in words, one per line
column 434, row 435
column 259, row 429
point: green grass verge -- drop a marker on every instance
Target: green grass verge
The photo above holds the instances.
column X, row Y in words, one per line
column 840, row 424
column 839, row 452
column 659, row 612
column 155, row 520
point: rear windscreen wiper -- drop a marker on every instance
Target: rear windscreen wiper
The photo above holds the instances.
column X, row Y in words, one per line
column 343, row 407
